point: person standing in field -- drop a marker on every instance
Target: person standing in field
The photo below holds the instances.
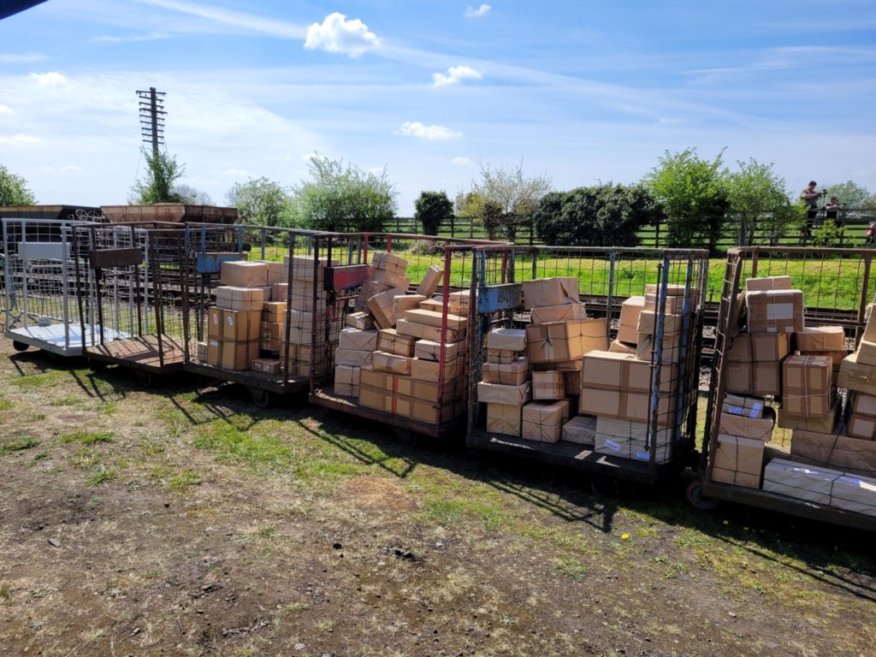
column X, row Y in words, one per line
column 810, row 197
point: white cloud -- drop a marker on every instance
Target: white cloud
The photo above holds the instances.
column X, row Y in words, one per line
column 156, row 36
column 337, row 34
column 23, row 58
column 236, row 19
column 461, row 161
column 50, row 79
column 5, row 109
column 455, row 75
column 236, row 173
column 17, row 139
column 428, row 132
column 482, row 10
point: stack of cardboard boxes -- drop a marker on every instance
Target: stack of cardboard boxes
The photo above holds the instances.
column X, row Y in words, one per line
column 506, row 384
column 234, row 323
column 408, row 365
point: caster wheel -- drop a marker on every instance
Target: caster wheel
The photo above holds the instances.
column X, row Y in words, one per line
column 697, row 500
column 19, row 346
column 605, row 487
column 261, row 398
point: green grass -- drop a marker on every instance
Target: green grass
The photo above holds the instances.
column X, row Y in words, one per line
column 184, row 480
column 5, row 404
column 17, row 444
column 101, row 475
column 38, row 381
column 241, row 445
column 87, row 437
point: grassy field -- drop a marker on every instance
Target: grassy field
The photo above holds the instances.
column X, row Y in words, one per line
column 180, row 520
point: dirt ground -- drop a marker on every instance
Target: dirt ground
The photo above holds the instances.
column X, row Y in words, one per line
column 180, row 520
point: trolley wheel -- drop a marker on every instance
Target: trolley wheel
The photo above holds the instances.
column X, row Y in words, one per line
column 697, row 500
column 605, row 486
column 19, row 346
column 261, row 398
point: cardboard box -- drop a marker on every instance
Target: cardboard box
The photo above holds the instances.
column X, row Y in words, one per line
column 565, row 341
column 550, row 292
column 745, row 406
column 380, row 307
column 867, row 353
column 542, row 421
column 624, row 405
column 748, row 427
column 819, row 423
column 504, row 418
column 393, row 342
column 238, row 355
column 802, row 482
column 458, row 302
column 377, row 398
column 738, row 461
column 431, row 318
column 614, row 371
column 393, row 363
column 502, row 356
column 347, row 380
column 214, row 352
column 854, row 493
column 857, row 376
column 507, row 374
column 431, row 349
column 581, row 430
column 775, row 311
column 265, row 365
column 629, row 319
column 493, row 393
column 629, row 440
column 670, row 352
column 239, row 298
column 548, row 386
column 559, row 366
column 861, row 426
column 392, row 279
column 431, row 333
column 274, row 311
column 389, row 262
column 352, row 338
column 806, row 385
column 672, row 324
column 572, row 382
column 241, row 325
column 862, row 404
column 768, row 283
column 300, row 319
column 405, row 302
column 360, row 320
column 201, row 351
column 278, row 272
column 507, row 338
column 271, row 335
column 301, row 299
column 547, row 314
column 758, row 379
column 820, row 338
column 431, row 280
column 759, row 348
column 243, row 273
column 619, row 347
column 371, row 289
column 214, row 322
column 429, row 370
column 834, row 450
column 353, row 357
column 305, row 268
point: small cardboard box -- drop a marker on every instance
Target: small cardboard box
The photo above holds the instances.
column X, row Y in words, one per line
column 380, row 307
column 304, row 268
column 745, row 406
column 775, row 311
column 424, row 332
column 759, row 348
column 548, row 386
column 241, row 325
column 581, row 430
column 360, row 320
column 857, row 376
column 392, row 279
column 565, row 341
column 629, row 439
column 612, row 370
column 862, row 404
column 758, row 379
column 377, row 398
column 818, row 423
column 550, row 292
column 672, row 324
column 861, row 426
column 389, row 262
column 393, row 342
column 432, row 318
column 494, row 393
column 239, row 355
column 768, row 283
column 239, row 298
column 214, row 352
column 353, row 357
column 619, row 347
column 507, row 374
column 669, row 351
column 834, row 450
column 624, row 405
column 430, row 370
column 748, row 427
column 502, row 356
column 629, row 319
column 243, row 273
column 431, row 349
column 278, row 272
column 265, row 365
column 507, row 338
column 392, row 363
column 214, row 322
column 370, row 289
column 738, row 461
column 458, row 302
column 274, row 311
column 820, row 338
column 504, row 418
column 347, row 380
column 867, row 353
column 431, row 280
column 542, row 421
column 806, row 385
column 405, row 302
column 547, row 314
column 352, row 338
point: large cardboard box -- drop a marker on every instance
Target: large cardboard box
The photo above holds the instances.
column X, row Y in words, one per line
column 389, row 262
column 380, row 307
column 393, row 363
column 806, row 385
column 581, row 430
column 759, row 379
column 369, row 289
column 547, row 314
column 612, row 370
column 391, row 341
column 862, row 404
column 775, row 311
column 241, row 325
column 272, row 333
column 627, row 330
column 748, row 427
column 493, row 393
column 431, row 280
column 759, row 347
column 834, row 450
column 507, row 338
column 347, row 380
column 550, row 292
column 425, row 332
column 672, row 324
column 392, row 279
column 565, row 341
column 803, row 482
column 738, row 461
column 377, row 398
column 353, row 357
column 628, row 439
column 624, row 405
column 300, row 319
column 504, row 418
column 274, row 311
column 243, row 273
column 820, row 338
column 238, row 355
column 304, row 268
column 670, row 351
column 405, row 302
column 548, row 386
column 351, row 338
column 543, row 421
column 432, row 318
column 278, row 272
column 431, row 349
column 867, row 353
column 823, row 423
column 857, row 376
column 429, row 370
column 507, row 374
column 768, row 283
column 239, row 298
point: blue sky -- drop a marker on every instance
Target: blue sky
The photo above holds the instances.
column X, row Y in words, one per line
column 580, row 92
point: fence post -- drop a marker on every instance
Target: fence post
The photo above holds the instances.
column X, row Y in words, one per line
column 452, row 226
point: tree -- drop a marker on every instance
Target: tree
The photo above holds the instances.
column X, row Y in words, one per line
column 13, row 189
column 158, row 185
column 191, row 196
column 693, row 194
column 262, row 202
column 341, row 198
column 605, row 215
column 850, row 194
column 758, row 197
column 432, row 208
column 513, row 194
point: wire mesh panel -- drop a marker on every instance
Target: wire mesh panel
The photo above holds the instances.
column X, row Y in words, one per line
column 39, row 293
column 588, row 356
column 389, row 342
column 787, row 403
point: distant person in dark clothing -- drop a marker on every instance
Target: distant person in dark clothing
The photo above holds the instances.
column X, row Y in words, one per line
column 810, row 197
column 832, row 212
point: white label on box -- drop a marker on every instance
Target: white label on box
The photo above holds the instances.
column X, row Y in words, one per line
column 612, row 445
column 780, row 311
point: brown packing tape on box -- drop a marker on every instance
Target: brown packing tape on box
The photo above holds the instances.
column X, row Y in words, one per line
column 507, row 374
column 547, row 314
column 834, row 450
column 820, row 338
column 548, row 386
column 748, row 427
column 502, row 356
column 581, row 430
column 775, row 311
column 565, row 341
column 806, row 385
column 550, row 291
column 542, row 421
column 629, row 319
column 393, row 342
column 507, row 338
column 504, row 418
column 389, row 262
column 431, row 280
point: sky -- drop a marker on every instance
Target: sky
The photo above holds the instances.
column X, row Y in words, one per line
column 432, row 92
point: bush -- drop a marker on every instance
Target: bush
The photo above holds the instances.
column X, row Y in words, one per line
column 432, row 208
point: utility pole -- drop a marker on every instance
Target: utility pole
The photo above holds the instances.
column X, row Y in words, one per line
column 152, row 118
